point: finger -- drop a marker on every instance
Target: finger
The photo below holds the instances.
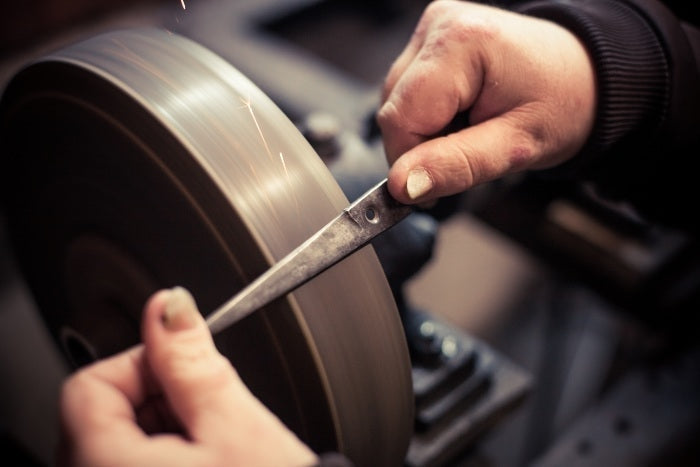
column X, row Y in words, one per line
column 214, row 406
column 454, row 163
column 406, row 57
column 201, row 386
column 104, row 393
column 429, row 20
column 430, row 92
column 99, row 420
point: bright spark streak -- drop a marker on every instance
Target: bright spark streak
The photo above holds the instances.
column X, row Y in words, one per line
column 247, row 104
column 289, row 181
column 182, row 2
column 284, row 164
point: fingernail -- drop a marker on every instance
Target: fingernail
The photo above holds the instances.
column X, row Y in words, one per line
column 180, row 310
column 418, row 183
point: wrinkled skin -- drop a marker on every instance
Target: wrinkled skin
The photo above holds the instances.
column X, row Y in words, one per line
column 173, row 401
column 528, row 85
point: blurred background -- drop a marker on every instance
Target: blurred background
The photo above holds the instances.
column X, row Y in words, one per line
column 585, row 304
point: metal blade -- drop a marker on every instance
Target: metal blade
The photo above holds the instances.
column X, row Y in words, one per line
column 373, row 213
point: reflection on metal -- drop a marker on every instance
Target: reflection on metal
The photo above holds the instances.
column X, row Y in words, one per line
column 136, row 142
column 367, row 217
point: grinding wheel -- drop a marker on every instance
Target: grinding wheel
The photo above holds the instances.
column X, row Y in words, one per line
column 138, row 160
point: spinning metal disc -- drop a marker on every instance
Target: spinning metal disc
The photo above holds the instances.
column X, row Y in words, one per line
column 138, row 160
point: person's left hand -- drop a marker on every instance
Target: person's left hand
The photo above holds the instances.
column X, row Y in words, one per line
column 174, row 401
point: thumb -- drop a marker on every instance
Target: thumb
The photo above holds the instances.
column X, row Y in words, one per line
column 205, row 393
column 201, row 386
column 450, row 164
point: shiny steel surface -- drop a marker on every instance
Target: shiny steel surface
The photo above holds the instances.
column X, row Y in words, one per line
column 138, row 160
column 368, row 216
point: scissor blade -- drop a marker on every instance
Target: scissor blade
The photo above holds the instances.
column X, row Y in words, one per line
column 373, row 213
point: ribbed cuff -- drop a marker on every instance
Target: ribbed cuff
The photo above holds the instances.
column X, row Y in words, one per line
column 631, row 70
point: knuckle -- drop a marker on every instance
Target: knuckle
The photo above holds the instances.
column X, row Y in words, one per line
column 532, row 131
column 384, row 113
column 388, row 116
column 440, row 7
column 183, row 356
column 470, row 31
column 189, row 363
column 524, row 145
column 538, row 136
column 78, row 397
column 459, row 21
column 420, row 105
column 75, row 384
column 462, row 167
column 434, row 10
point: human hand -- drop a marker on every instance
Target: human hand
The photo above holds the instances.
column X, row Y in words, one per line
column 173, row 401
column 528, row 85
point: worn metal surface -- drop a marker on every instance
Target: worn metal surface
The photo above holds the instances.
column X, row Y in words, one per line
column 367, row 217
column 139, row 160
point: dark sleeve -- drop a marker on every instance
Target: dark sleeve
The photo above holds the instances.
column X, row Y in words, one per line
column 645, row 137
column 333, row 459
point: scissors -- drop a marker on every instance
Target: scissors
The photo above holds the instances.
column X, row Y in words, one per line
column 370, row 215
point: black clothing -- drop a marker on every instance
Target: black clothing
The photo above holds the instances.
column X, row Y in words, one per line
column 644, row 139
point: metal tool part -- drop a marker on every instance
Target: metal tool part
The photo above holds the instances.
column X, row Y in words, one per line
column 138, row 160
column 356, row 226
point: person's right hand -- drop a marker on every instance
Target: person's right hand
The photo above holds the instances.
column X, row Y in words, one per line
column 528, row 85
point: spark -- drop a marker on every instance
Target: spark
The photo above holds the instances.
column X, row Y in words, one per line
column 289, row 182
column 284, row 164
column 248, row 105
column 182, row 2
